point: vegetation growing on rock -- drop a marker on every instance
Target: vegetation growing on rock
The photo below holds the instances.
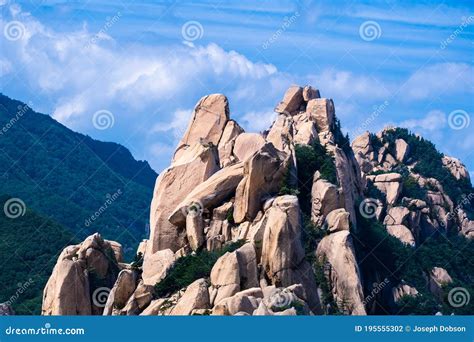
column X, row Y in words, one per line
column 385, row 255
column 309, row 159
column 189, row 268
column 427, row 162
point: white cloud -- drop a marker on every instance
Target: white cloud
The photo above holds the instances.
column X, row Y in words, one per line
column 151, row 88
column 177, row 125
column 84, row 76
column 257, row 121
column 439, row 80
column 5, row 67
column 160, row 150
column 345, row 85
column 77, row 74
column 439, row 15
column 433, row 121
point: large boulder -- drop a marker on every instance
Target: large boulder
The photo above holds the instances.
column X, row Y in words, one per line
column 457, row 169
column 337, row 251
column 234, row 272
column 397, row 215
column 121, row 292
column 157, row 265
column 402, row 233
column 219, row 222
column 195, row 228
column 195, row 166
column 139, row 300
column 225, row 277
column 402, row 149
column 322, row 112
column 348, row 176
column 282, row 251
column 81, row 279
column 305, row 133
column 281, row 133
column 247, row 259
column 282, row 254
column 226, row 145
column 246, row 144
column 324, row 199
column 207, row 123
column 390, row 184
column 67, row 290
column 438, row 278
column 209, row 193
column 467, row 226
column 292, row 101
column 337, row 220
column 263, row 174
column 364, row 152
column 310, row 93
column 362, row 144
column 244, row 301
column 195, row 297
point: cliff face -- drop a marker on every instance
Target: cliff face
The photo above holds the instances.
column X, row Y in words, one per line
column 264, row 224
column 421, row 192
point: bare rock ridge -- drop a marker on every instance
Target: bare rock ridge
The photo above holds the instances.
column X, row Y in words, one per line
column 235, row 203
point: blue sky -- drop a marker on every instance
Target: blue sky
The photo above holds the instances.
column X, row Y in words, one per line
column 145, row 64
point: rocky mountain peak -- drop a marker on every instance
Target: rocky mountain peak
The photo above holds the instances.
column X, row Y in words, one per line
column 270, row 223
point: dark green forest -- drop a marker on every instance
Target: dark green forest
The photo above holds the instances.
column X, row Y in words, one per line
column 72, row 186
column 29, row 247
column 69, row 177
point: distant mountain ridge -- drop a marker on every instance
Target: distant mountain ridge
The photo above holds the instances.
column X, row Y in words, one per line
column 81, row 183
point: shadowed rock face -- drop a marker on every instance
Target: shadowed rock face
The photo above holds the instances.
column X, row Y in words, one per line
column 81, row 279
column 194, row 166
column 337, row 250
column 225, row 186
